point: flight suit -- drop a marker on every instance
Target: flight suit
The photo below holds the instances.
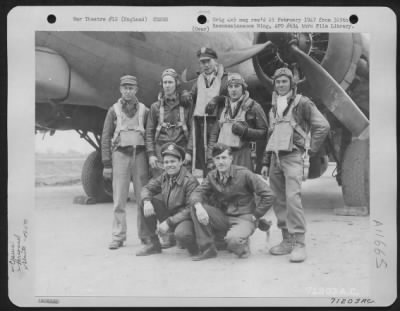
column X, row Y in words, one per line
column 286, row 167
column 170, row 129
column 238, row 128
column 173, row 207
column 230, row 205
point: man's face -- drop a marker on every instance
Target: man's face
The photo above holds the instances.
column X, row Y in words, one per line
column 172, row 165
column 169, row 85
column 207, row 65
column 223, row 161
column 282, row 85
column 235, row 90
column 128, row 91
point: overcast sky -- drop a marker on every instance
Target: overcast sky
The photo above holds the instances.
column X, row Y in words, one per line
column 62, row 141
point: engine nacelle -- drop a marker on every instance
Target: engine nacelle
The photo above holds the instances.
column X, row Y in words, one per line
column 338, row 53
column 52, row 76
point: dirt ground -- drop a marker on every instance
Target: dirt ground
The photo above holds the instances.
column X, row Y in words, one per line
column 72, row 258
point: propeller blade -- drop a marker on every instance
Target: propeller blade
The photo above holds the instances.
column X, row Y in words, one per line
column 331, row 94
column 228, row 59
column 232, row 58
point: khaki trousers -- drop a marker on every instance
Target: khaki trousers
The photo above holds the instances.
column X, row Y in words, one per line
column 127, row 168
column 285, row 182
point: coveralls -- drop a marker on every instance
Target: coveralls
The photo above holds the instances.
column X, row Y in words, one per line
column 286, row 169
column 253, row 125
column 170, row 129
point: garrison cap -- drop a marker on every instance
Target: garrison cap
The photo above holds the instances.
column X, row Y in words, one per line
column 127, row 79
column 236, row 78
column 283, row 72
column 220, row 148
column 173, row 150
column 206, row 53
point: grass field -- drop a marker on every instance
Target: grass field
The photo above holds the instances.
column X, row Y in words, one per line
column 58, row 169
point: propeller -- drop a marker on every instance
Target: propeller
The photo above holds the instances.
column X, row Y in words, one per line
column 332, row 95
column 228, row 59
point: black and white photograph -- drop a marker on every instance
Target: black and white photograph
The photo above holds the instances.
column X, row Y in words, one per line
column 179, row 166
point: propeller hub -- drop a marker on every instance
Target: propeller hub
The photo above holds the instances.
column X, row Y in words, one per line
column 280, row 54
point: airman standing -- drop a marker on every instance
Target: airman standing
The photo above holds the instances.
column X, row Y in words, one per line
column 124, row 153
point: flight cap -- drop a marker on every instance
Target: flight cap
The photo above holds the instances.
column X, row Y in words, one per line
column 220, row 148
column 283, row 72
column 236, row 78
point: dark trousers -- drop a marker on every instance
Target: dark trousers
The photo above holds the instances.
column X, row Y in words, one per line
column 183, row 231
column 235, row 230
column 201, row 158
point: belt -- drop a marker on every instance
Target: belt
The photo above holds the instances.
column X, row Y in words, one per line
column 128, row 150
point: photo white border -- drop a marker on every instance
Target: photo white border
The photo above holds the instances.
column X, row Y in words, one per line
column 379, row 22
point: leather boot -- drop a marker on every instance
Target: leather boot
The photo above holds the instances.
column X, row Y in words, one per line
column 167, row 240
column 298, row 253
column 153, row 247
column 209, row 252
column 285, row 247
column 246, row 250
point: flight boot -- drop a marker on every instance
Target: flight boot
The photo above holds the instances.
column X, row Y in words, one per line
column 209, row 252
column 298, row 253
column 167, row 240
column 285, row 247
column 115, row 244
column 246, row 250
column 152, row 247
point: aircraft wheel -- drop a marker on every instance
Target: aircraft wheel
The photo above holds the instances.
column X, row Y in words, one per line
column 355, row 174
column 92, row 179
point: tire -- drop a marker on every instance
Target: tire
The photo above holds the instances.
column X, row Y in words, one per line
column 355, row 174
column 92, row 179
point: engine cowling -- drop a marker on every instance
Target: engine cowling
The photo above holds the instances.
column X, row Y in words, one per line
column 52, row 76
column 338, row 53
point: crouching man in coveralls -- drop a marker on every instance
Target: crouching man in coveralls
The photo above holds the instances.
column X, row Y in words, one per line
column 124, row 154
column 175, row 185
column 241, row 121
column 233, row 216
column 292, row 118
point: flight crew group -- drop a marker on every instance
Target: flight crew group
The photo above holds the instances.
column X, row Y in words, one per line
column 211, row 127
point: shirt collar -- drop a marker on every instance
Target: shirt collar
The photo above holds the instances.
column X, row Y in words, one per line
column 170, row 98
column 288, row 95
column 179, row 178
column 229, row 174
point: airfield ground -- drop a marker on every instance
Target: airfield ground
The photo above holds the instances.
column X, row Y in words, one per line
column 72, row 258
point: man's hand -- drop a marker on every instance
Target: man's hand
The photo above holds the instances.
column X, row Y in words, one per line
column 188, row 159
column 239, row 128
column 201, row 214
column 163, row 227
column 186, row 98
column 265, row 172
column 311, row 153
column 210, row 165
column 148, row 209
column 107, row 173
column 153, row 161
